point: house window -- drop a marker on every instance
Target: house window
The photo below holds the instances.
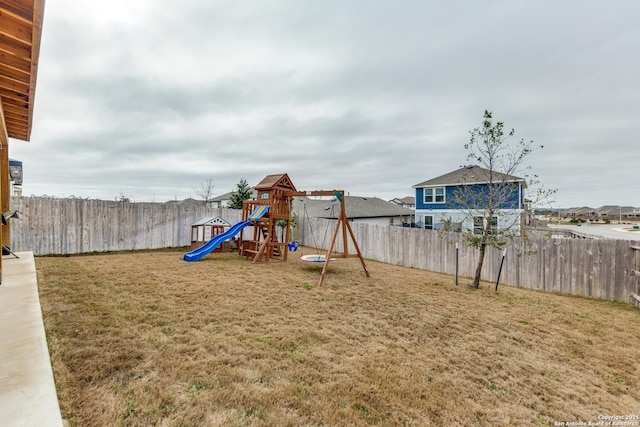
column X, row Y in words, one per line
column 478, row 224
column 434, row 195
column 494, row 224
column 264, row 195
column 428, row 222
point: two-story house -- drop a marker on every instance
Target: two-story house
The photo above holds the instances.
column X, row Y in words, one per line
column 459, row 200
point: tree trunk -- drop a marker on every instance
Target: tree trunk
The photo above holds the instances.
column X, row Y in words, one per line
column 486, row 230
column 476, row 279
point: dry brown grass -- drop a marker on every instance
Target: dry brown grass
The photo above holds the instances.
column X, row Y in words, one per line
column 143, row 339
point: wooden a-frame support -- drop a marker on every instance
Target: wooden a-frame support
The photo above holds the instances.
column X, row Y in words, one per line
column 277, row 192
column 263, row 248
column 341, row 225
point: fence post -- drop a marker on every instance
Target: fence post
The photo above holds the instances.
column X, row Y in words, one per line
column 635, row 295
column 504, row 252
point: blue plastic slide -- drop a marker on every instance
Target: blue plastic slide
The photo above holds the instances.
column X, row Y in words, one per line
column 208, row 247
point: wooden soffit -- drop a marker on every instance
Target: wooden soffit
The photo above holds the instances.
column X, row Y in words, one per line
column 20, row 33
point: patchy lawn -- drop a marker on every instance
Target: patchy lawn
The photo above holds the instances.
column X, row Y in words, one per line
column 144, row 338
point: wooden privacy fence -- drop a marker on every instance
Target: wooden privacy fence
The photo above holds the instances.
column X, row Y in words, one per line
column 606, row 269
column 72, row 226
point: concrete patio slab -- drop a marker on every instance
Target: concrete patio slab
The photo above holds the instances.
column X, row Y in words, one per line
column 27, row 389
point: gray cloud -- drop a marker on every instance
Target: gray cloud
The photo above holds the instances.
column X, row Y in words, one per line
column 149, row 99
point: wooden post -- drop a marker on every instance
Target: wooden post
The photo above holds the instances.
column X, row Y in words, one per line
column 504, row 253
column 3, row 171
column 456, row 263
column 287, row 238
column 635, row 295
column 4, row 181
column 355, row 243
column 264, row 249
column 5, row 193
column 343, row 223
column 328, row 256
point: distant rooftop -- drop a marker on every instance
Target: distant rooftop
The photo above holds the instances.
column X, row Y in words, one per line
column 356, row 207
column 606, row 210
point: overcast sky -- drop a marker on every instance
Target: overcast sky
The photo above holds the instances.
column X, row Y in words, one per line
column 150, row 98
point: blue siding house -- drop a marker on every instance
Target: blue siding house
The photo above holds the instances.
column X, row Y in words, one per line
column 458, row 200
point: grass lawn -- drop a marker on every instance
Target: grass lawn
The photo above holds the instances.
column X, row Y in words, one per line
column 143, row 338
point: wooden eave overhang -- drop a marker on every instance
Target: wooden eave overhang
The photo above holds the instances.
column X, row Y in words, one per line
column 20, row 34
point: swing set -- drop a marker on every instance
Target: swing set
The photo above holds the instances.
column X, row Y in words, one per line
column 277, row 191
column 305, row 217
column 317, row 257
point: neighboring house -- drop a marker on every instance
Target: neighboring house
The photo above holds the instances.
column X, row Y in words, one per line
column 15, row 177
column 370, row 210
column 439, row 200
column 408, row 202
column 611, row 212
column 614, row 212
column 222, row 201
column 629, row 212
column 608, row 212
column 584, row 212
column 617, row 213
column 186, row 202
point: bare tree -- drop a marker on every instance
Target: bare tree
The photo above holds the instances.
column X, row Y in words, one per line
column 491, row 196
column 205, row 191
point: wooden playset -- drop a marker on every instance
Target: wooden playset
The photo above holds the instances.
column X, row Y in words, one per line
column 277, row 192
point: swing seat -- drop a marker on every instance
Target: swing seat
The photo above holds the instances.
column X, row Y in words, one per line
column 315, row 258
column 293, row 246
